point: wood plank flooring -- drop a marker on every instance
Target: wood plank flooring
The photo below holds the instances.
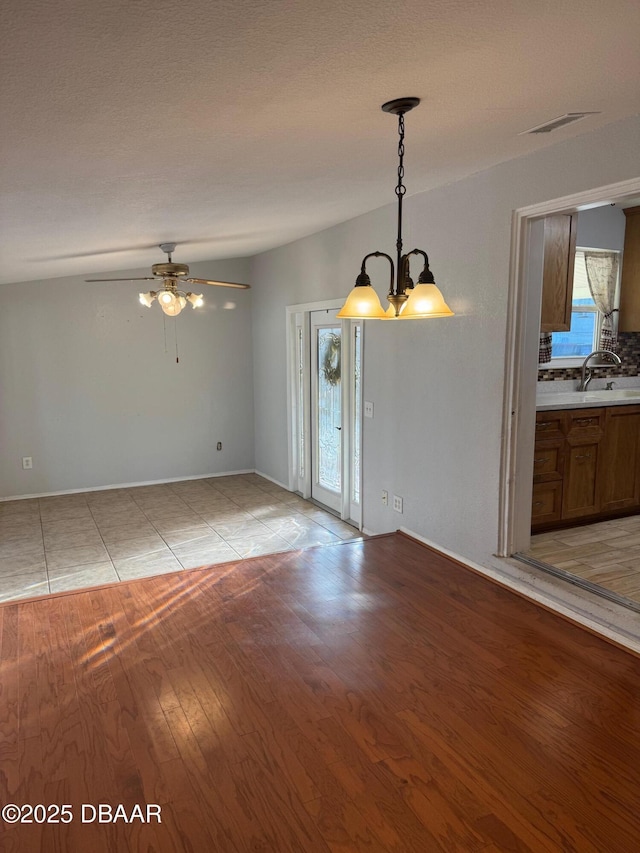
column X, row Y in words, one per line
column 606, row 553
column 366, row 696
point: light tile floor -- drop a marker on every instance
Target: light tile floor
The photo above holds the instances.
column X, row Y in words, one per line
column 606, row 553
column 66, row 542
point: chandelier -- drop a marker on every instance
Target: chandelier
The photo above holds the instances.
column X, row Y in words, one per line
column 407, row 301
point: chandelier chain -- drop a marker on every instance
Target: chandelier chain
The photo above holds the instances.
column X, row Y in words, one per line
column 401, row 189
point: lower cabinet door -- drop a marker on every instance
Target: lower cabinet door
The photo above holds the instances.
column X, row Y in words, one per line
column 619, row 473
column 580, row 494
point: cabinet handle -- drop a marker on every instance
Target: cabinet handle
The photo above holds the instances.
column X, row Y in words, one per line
column 584, row 421
column 583, row 456
column 543, row 424
column 541, row 460
column 537, row 503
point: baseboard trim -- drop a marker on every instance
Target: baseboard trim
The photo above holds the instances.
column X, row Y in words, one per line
column 610, row 621
column 128, row 485
column 272, row 480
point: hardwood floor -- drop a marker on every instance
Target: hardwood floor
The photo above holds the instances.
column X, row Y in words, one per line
column 369, row 695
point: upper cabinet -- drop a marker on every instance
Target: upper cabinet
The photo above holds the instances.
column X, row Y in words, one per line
column 557, row 273
column 629, row 318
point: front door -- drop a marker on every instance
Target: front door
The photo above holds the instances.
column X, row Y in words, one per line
column 326, row 409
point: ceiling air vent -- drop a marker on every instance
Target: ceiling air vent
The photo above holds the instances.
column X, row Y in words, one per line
column 555, row 123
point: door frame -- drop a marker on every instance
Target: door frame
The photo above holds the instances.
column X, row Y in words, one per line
column 521, row 361
column 299, row 470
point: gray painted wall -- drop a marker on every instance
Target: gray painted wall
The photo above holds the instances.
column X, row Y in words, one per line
column 88, row 391
column 437, row 385
column 601, row 228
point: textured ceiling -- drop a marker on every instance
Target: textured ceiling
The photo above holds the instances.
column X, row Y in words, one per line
column 232, row 126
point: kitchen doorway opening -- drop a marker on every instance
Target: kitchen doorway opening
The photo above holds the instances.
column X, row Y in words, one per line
column 521, row 363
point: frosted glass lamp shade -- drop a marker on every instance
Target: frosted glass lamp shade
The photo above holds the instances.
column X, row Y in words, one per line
column 362, row 304
column 171, row 303
column 425, row 300
column 147, row 298
column 195, row 299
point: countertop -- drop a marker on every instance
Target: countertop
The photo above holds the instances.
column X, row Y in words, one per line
column 586, row 399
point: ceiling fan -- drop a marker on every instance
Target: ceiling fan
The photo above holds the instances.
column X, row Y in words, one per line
column 172, row 299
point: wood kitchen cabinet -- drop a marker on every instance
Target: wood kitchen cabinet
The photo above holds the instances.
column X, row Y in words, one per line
column 619, row 475
column 586, row 465
column 629, row 317
column 548, row 465
column 580, row 495
column 547, row 502
column 557, row 272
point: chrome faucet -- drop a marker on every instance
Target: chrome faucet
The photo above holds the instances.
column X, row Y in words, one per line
column 586, row 375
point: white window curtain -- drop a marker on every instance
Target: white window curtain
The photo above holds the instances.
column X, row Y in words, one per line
column 602, row 274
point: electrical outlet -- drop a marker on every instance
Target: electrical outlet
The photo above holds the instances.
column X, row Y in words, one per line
column 368, row 409
column 27, row 463
column 385, row 497
column 397, row 503
column 219, row 446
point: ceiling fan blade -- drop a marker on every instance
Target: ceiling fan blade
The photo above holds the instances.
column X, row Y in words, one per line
column 217, row 283
column 148, row 278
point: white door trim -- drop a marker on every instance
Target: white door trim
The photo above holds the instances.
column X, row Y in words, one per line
column 295, row 483
column 297, row 316
column 521, row 353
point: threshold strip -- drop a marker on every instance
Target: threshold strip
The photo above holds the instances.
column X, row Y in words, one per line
column 583, row 583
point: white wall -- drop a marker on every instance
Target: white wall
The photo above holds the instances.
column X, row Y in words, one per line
column 88, row 391
column 437, row 385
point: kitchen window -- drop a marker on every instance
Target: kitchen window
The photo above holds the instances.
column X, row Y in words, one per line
column 572, row 347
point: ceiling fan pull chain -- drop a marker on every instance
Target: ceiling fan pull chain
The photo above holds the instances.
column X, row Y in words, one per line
column 175, row 326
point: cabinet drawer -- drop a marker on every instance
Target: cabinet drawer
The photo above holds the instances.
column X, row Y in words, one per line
column 547, row 460
column 585, row 422
column 547, row 502
column 550, row 424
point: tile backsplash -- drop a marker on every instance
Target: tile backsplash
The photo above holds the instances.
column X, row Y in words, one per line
column 628, row 350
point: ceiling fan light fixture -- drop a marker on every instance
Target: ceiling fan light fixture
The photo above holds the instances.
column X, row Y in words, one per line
column 174, row 305
column 147, row 298
column 172, row 277
column 195, row 299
